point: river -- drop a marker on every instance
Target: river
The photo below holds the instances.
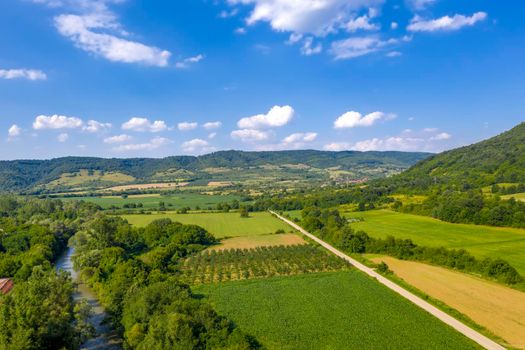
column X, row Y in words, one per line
column 106, row 338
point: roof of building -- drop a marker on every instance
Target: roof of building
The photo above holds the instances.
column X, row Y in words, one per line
column 6, row 284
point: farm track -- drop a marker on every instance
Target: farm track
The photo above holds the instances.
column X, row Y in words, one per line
column 449, row 320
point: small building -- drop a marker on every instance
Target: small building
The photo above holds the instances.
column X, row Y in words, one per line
column 6, row 284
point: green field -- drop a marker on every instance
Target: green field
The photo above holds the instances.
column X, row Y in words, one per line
column 219, row 224
column 331, row 310
column 516, row 196
column 172, row 201
column 481, row 241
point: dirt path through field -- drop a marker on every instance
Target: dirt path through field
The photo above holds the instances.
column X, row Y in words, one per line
column 449, row 320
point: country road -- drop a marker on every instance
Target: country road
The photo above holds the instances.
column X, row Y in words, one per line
column 449, row 320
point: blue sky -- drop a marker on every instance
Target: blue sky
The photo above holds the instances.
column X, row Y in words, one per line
column 128, row 78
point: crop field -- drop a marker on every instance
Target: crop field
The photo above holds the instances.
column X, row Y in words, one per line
column 493, row 306
column 481, row 241
column 329, row 310
column 250, row 242
column 152, row 202
column 221, row 225
column 240, row 264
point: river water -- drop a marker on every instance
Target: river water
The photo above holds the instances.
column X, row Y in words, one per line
column 106, row 338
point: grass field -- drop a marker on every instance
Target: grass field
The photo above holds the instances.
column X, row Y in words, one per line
column 250, row 242
column 332, row 310
column 85, row 178
column 152, row 202
column 516, row 196
column 499, row 309
column 481, row 241
column 219, row 224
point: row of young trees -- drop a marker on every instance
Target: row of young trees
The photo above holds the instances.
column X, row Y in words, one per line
column 237, row 264
column 134, row 271
column 40, row 312
column 332, row 227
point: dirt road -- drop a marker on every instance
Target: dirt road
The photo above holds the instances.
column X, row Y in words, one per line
column 449, row 320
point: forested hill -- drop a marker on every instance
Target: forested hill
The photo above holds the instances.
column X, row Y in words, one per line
column 26, row 174
column 500, row 159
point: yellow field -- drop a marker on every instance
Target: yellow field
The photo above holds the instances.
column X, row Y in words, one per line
column 499, row 309
column 516, row 196
column 251, row 242
column 147, row 186
column 83, row 177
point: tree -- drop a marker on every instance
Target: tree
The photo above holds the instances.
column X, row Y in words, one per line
column 244, row 212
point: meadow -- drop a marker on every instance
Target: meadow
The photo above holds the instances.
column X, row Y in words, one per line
column 516, row 196
column 175, row 201
column 221, row 225
column 329, row 310
column 481, row 241
column 497, row 308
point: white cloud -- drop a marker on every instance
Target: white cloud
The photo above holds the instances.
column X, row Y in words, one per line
column 360, row 23
column 95, row 29
column 118, row 139
column 63, row 137
column 212, row 135
column 14, row 131
column 441, row 136
column 154, row 144
column 300, row 137
column 337, row 146
column 430, row 129
column 394, row 25
column 144, row 125
column 250, row 135
column 309, row 48
column 43, row 122
column 29, row 74
column 359, row 46
column 212, row 125
column 354, row 119
column 276, row 117
column 318, row 17
column 394, row 54
column 187, row 62
column 95, row 126
column 420, row 4
column 446, row 23
column 240, row 31
column 187, row 126
column 197, row 146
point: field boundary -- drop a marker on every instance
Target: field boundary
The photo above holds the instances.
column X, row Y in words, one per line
column 444, row 317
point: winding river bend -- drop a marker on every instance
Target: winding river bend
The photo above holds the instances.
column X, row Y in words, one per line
column 106, row 338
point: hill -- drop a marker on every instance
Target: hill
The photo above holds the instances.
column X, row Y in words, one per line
column 303, row 165
column 500, row 159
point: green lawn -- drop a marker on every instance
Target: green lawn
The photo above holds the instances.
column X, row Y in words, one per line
column 172, row 201
column 219, row 224
column 336, row 310
column 481, row 241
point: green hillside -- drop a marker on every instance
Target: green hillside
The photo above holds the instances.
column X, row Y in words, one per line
column 301, row 165
column 500, row 159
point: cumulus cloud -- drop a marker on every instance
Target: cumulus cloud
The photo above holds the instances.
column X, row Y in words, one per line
column 300, row 137
column 446, row 23
column 359, row 46
column 187, row 62
column 212, row 135
column 94, row 126
column 441, row 136
column 144, row 125
column 355, row 119
column 197, row 146
column 420, row 4
column 63, row 137
column 276, row 117
column 43, row 122
column 394, row 54
column 187, row 126
column 212, row 125
column 250, row 135
column 118, row 139
column 337, row 146
column 29, row 74
column 362, row 23
column 153, row 144
column 14, row 131
column 409, row 141
column 309, row 48
column 319, row 17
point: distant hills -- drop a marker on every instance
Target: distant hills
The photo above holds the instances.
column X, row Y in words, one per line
column 500, row 159
column 74, row 173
